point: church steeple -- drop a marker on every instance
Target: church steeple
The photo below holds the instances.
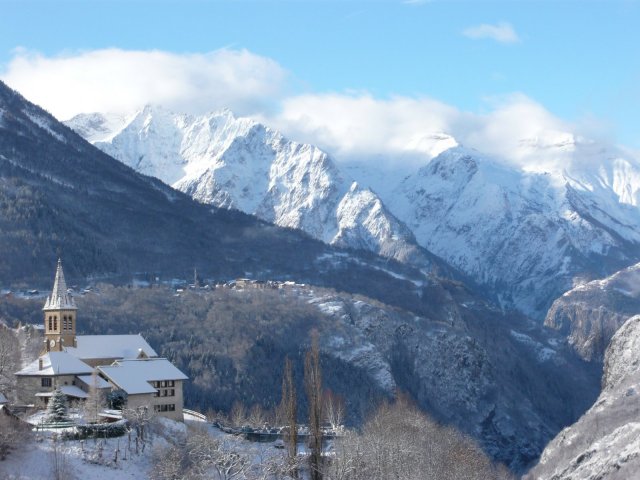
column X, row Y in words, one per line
column 60, row 298
column 59, row 315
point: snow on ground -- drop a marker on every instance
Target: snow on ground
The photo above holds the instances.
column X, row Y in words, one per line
column 34, row 460
column 45, row 125
column 543, row 353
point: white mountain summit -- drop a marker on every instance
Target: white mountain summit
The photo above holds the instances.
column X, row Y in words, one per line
column 238, row 163
column 525, row 235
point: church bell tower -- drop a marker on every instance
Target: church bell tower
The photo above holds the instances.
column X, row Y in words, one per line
column 59, row 316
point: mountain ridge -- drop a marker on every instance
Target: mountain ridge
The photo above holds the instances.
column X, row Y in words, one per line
column 524, row 237
column 604, row 443
column 231, row 162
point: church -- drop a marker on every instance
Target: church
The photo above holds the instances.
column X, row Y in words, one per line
column 75, row 363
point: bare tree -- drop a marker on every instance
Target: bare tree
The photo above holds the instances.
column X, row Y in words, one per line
column 289, row 407
column 13, row 432
column 348, row 458
column 60, row 467
column 139, row 418
column 9, row 359
column 169, row 464
column 206, row 453
column 313, row 388
column 274, row 467
column 257, row 416
column 95, row 401
column 334, row 410
column 399, row 441
column 238, row 414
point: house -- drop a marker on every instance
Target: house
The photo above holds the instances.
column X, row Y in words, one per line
column 155, row 377
column 76, row 363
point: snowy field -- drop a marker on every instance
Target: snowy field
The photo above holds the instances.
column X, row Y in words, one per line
column 96, row 459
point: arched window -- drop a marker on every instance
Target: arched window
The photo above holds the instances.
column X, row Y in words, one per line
column 55, row 323
column 50, row 323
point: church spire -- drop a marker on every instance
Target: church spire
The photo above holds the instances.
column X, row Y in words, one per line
column 59, row 298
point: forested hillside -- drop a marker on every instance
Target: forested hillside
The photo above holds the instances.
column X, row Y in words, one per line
column 493, row 377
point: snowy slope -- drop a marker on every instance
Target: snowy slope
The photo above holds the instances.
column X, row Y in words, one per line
column 525, row 235
column 238, row 163
column 605, row 443
column 589, row 314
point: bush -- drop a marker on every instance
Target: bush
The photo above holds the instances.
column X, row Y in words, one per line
column 99, row 430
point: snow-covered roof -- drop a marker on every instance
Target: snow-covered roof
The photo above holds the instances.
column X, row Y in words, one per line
column 3, row 399
column 110, row 346
column 89, row 379
column 68, row 390
column 56, row 363
column 59, row 297
column 133, row 376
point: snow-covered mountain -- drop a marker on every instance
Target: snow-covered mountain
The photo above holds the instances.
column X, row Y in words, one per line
column 589, row 314
column 238, row 163
column 605, row 443
column 525, row 235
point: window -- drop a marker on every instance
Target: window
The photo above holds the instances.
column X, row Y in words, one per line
column 165, row 393
column 157, row 393
column 46, row 382
column 171, row 383
column 172, row 393
column 50, row 323
column 55, row 323
column 167, row 407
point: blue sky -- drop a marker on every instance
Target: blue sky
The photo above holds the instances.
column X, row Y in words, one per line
column 579, row 60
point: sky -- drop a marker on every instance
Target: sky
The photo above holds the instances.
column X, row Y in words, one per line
column 356, row 77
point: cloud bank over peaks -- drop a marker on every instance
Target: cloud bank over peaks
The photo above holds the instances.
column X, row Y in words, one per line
column 397, row 131
column 121, row 81
column 516, row 129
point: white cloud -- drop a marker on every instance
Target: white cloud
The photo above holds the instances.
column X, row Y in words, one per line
column 356, row 126
column 120, row 80
column 502, row 32
column 359, row 125
column 353, row 126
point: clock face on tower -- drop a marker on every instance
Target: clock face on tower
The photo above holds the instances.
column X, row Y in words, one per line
column 52, row 343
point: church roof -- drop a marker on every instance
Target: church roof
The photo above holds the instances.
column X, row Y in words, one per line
column 68, row 390
column 3, row 399
column 56, row 363
column 133, row 376
column 59, row 298
column 89, row 381
column 110, row 346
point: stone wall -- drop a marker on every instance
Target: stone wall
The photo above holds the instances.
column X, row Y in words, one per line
column 28, row 385
column 155, row 403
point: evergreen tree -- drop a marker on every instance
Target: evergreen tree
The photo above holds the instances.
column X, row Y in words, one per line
column 58, row 410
